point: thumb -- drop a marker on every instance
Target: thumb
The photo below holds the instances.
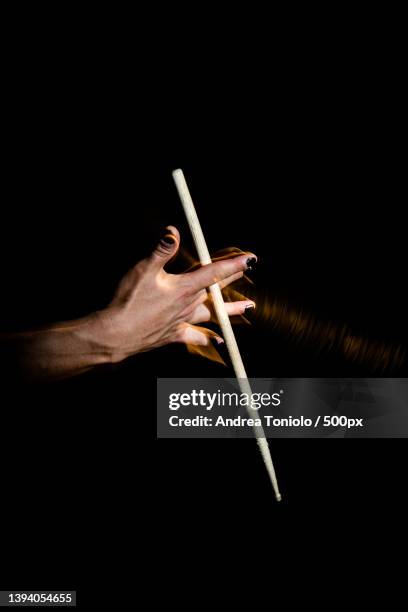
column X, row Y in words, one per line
column 166, row 248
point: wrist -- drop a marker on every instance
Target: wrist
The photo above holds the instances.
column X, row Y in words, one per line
column 92, row 332
column 106, row 334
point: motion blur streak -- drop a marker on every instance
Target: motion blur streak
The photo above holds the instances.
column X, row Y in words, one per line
column 301, row 327
column 304, row 328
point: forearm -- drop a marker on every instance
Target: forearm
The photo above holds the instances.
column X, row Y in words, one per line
column 59, row 350
column 149, row 309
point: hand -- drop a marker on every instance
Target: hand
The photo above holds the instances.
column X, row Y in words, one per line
column 152, row 308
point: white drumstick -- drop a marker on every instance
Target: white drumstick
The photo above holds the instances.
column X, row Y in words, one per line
column 223, row 318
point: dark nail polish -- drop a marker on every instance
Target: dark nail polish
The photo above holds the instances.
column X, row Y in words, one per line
column 249, row 311
column 168, row 239
column 251, row 261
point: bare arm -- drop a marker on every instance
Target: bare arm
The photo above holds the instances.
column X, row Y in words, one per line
column 150, row 308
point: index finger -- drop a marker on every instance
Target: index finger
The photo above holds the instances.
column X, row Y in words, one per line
column 217, row 271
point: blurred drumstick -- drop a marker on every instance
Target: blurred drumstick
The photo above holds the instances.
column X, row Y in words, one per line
column 223, row 318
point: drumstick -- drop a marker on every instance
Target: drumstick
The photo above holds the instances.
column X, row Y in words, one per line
column 223, row 318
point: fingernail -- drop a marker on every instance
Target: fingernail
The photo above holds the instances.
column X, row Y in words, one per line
column 216, row 340
column 169, row 239
column 249, row 311
column 250, row 262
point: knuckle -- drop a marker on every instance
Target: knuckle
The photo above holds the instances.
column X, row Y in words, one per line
column 162, row 250
column 202, row 296
column 185, row 287
column 226, row 268
column 180, row 335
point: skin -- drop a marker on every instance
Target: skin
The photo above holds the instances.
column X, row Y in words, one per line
column 150, row 308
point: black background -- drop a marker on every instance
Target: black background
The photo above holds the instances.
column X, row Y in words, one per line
column 295, row 156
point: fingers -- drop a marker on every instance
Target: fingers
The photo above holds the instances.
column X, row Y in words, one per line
column 198, row 336
column 230, row 279
column 205, row 312
column 218, row 271
column 167, row 247
column 239, row 308
column 222, row 254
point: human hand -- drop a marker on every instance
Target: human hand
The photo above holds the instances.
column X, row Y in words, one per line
column 152, row 308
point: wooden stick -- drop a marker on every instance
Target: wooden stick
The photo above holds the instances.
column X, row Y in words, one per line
column 223, row 318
